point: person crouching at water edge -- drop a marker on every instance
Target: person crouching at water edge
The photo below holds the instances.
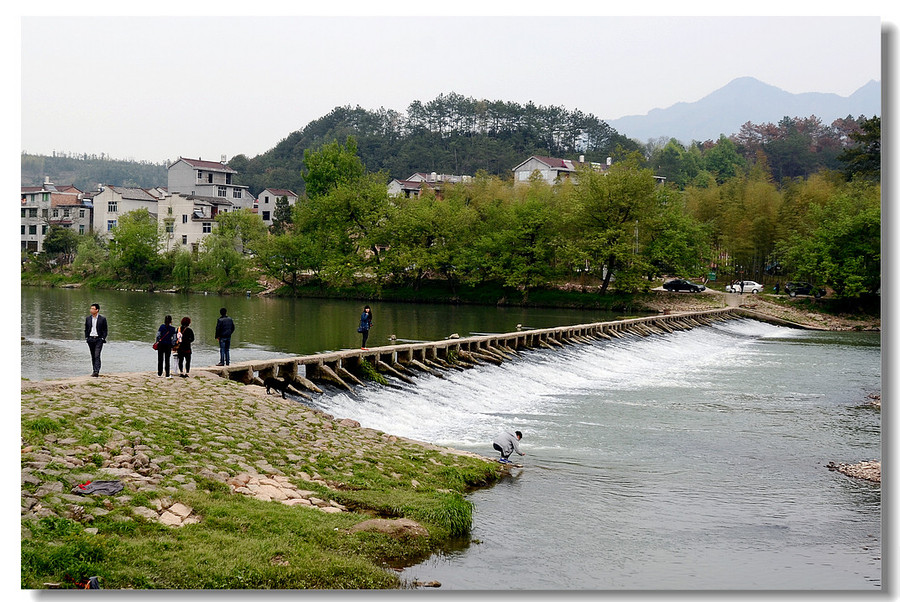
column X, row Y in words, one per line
column 506, row 444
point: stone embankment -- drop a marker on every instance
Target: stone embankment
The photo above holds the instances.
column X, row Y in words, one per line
column 160, row 437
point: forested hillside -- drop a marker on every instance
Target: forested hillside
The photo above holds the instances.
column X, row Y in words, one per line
column 451, row 134
column 85, row 172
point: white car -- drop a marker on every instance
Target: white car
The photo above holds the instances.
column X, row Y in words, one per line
column 749, row 287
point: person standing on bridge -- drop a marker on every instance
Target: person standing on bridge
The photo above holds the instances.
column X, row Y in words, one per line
column 365, row 323
column 506, row 443
column 95, row 331
column 224, row 330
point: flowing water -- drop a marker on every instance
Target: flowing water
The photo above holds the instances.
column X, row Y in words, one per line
column 694, row 460
column 689, row 461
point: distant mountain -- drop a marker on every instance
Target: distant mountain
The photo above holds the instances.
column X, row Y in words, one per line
column 742, row 100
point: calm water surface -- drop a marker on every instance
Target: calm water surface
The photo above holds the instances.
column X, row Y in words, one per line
column 690, row 461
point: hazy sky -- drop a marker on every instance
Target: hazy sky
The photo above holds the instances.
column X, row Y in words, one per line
column 155, row 88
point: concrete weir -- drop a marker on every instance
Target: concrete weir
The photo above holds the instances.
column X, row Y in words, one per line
column 352, row 368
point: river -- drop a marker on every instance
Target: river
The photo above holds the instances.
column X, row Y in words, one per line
column 689, row 461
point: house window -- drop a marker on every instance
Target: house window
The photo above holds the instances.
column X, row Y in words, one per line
column 44, row 213
column 81, row 229
column 228, row 178
column 237, row 193
column 184, row 219
column 223, row 192
column 24, row 213
column 81, row 213
column 265, row 216
column 184, row 239
column 23, row 229
column 44, row 229
column 170, row 226
column 66, row 213
column 266, row 199
column 112, row 206
column 56, row 213
column 199, row 176
column 209, row 178
column 207, row 227
column 33, row 212
column 45, row 197
column 32, row 229
column 110, row 224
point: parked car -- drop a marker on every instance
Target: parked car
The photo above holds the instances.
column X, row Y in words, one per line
column 749, row 287
column 680, row 284
column 802, row 288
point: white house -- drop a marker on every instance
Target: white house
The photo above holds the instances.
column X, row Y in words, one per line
column 207, row 179
column 51, row 205
column 552, row 169
column 413, row 185
column 114, row 201
column 187, row 219
column 265, row 202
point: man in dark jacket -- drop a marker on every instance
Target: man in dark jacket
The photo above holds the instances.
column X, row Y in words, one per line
column 506, row 444
column 224, row 328
column 95, row 331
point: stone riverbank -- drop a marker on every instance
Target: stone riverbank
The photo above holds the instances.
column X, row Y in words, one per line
column 159, row 436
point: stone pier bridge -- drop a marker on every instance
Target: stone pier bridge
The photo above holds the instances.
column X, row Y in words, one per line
column 352, row 368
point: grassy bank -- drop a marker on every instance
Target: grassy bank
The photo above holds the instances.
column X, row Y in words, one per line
column 179, row 441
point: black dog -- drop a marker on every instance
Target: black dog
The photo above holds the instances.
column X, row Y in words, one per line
column 279, row 385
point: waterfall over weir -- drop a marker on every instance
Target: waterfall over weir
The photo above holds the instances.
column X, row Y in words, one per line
column 350, row 368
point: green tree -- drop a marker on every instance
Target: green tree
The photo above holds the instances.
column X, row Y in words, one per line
column 347, row 223
column 61, row 243
column 91, row 256
column 239, row 228
column 723, row 160
column 281, row 217
column 286, row 257
column 220, row 259
column 604, row 218
column 671, row 240
column 135, row 247
column 863, row 159
column 183, row 270
column 330, row 166
column 840, row 245
column 524, row 247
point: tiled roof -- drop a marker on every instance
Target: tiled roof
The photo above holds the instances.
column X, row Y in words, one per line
column 58, row 199
column 280, row 192
column 556, row 163
column 134, row 194
column 208, row 165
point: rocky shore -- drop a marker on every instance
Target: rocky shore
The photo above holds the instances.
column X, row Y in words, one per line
column 164, row 442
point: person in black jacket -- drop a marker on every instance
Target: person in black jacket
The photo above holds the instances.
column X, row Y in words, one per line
column 365, row 323
column 95, row 331
column 165, row 342
column 184, row 347
column 224, row 330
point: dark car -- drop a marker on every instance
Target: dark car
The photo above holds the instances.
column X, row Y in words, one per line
column 802, row 288
column 680, row 284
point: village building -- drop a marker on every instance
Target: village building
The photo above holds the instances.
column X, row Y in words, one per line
column 552, row 169
column 266, row 202
column 210, row 179
column 414, row 184
column 111, row 202
column 50, row 205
